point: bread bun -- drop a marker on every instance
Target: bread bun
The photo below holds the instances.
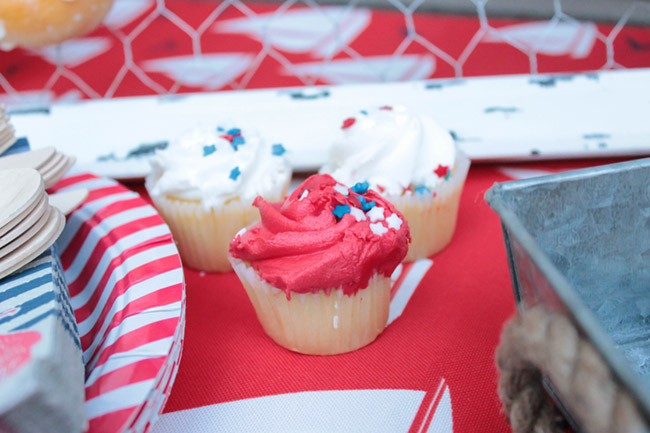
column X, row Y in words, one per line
column 36, row 23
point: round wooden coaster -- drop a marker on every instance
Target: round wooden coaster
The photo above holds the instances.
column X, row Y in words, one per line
column 26, row 222
column 51, row 177
column 27, row 234
column 36, row 159
column 67, row 201
column 36, row 245
column 55, row 160
column 19, row 189
column 42, row 198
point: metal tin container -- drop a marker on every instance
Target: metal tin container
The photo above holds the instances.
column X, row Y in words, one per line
column 579, row 243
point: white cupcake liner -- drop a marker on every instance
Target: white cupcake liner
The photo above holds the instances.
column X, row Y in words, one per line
column 318, row 323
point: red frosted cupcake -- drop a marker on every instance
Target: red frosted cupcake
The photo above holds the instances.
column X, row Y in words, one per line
column 317, row 267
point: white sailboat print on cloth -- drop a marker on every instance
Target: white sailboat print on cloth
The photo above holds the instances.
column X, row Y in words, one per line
column 575, row 39
column 124, row 12
column 322, row 32
column 209, row 71
column 369, row 69
column 360, row 410
column 74, row 52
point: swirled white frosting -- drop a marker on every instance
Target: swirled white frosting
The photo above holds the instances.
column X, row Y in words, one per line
column 213, row 166
column 392, row 148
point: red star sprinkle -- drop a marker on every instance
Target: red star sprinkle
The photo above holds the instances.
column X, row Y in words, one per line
column 230, row 137
column 348, row 122
column 442, row 170
column 381, row 188
column 386, row 107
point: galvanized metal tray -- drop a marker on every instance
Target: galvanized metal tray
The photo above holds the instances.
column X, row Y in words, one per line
column 579, row 243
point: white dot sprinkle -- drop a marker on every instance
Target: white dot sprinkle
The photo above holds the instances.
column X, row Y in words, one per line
column 305, row 193
column 394, row 222
column 358, row 214
column 343, row 190
column 378, row 228
column 376, row 214
column 335, row 322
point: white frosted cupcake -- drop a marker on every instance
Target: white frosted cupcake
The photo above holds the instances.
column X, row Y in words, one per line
column 410, row 160
column 204, row 184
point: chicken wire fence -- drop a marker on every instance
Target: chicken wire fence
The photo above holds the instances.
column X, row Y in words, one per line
column 176, row 46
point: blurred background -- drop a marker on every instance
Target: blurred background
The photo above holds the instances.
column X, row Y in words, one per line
column 148, row 47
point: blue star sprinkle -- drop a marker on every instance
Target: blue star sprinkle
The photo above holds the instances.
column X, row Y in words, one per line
column 366, row 206
column 234, row 174
column 422, row 190
column 341, row 210
column 234, row 131
column 278, row 150
column 360, row 187
column 237, row 141
column 209, row 150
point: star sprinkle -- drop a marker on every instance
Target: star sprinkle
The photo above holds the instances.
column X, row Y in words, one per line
column 237, row 141
column 386, row 107
column 381, row 189
column 209, row 150
column 341, row 189
column 358, row 214
column 278, row 149
column 348, row 122
column 394, row 222
column 360, row 187
column 341, row 210
column 378, row 228
column 234, row 131
column 442, row 170
column 376, row 214
column 422, row 190
column 365, row 206
column 234, row 174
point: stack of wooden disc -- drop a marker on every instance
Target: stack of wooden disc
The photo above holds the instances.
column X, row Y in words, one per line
column 7, row 131
column 52, row 165
column 28, row 223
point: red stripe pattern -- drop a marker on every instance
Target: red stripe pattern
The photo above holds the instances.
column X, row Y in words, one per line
column 128, row 292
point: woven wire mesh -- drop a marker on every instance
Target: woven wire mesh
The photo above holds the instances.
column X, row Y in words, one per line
column 330, row 40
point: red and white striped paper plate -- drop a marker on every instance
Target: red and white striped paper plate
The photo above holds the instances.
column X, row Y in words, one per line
column 127, row 289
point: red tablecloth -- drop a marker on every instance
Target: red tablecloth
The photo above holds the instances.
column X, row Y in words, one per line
column 433, row 368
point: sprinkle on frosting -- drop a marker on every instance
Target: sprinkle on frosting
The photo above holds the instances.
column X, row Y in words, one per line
column 278, row 149
column 441, row 170
column 394, row 222
column 348, row 122
column 376, row 214
column 365, row 205
column 364, row 112
column 422, row 190
column 360, row 187
column 341, row 210
column 386, row 108
column 378, row 228
column 304, row 194
column 220, row 129
column 234, row 173
column 323, row 243
column 342, row 189
column 358, row 214
column 209, row 150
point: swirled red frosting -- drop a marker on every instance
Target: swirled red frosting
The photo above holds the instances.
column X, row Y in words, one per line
column 324, row 236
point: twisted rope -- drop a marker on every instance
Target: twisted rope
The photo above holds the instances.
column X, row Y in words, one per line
column 538, row 343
